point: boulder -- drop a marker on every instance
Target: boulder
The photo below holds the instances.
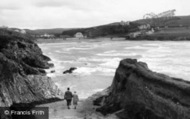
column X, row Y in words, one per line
column 52, row 71
column 139, row 93
column 69, row 70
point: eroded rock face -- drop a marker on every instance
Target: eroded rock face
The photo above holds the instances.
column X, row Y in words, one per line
column 138, row 93
column 22, row 75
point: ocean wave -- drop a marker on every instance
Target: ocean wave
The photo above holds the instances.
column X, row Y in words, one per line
column 111, row 63
column 136, row 47
column 111, row 51
column 59, row 51
column 90, row 70
column 78, row 48
column 58, row 68
column 95, row 59
column 117, row 54
column 97, row 90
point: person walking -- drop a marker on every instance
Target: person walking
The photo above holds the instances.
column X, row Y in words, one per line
column 68, row 97
column 75, row 99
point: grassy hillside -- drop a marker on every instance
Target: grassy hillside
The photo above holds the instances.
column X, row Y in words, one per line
column 109, row 30
column 177, row 21
column 173, row 28
column 48, row 31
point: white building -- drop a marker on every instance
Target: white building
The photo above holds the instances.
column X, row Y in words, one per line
column 47, row 35
column 143, row 27
column 150, row 32
column 79, row 35
column 123, row 23
column 20, row 31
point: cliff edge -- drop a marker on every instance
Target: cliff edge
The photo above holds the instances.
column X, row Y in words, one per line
column 139, row 93
column 22, row 75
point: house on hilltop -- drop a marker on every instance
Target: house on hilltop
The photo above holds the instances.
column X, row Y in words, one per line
column 134, row 34
column 79, row 35
column 123, row 23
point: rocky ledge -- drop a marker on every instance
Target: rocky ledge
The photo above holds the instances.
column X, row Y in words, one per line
column 22, row 75
column 139, row 93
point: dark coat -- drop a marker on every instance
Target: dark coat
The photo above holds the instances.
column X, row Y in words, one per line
column 68, row 95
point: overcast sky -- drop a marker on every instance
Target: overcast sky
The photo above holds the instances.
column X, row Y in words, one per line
column 36, row 14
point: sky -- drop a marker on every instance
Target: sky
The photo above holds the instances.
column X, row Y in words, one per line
column 44, row 14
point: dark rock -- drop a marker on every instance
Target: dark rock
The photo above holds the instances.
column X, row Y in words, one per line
column 69, row 70
column 53, row 71
column 51, row 65
column 98, row 101
column 22, row 74
column 139, row 93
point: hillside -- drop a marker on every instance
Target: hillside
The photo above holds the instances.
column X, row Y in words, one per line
column 170, row 28
column 109, row 30
column 46, row 31
column 177, row 21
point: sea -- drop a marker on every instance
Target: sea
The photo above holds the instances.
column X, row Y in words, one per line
column 96, row 61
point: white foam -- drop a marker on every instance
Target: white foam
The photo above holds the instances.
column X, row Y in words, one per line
column 58, row 51
column 111, row 51
column 136, row 47
column 58, row 68
column 90, row 70
column 95, row 59
column 97, row 90
column 111, row 63
column 117, row 54
column 78, row 48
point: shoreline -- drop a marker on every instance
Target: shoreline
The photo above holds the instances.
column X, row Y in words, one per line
column 46, row 41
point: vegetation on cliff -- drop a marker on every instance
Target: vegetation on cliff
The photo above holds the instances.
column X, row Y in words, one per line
column 176, row 21
column 22, row 75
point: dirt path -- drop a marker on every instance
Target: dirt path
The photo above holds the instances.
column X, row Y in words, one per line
column 85, row 110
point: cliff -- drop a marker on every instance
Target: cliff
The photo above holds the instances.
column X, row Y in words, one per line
column 22, row 75
column 139, row 93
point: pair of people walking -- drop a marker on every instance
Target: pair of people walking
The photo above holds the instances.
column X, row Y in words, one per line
column 69, row 97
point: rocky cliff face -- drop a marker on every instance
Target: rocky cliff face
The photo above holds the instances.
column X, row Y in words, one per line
column 22, row 75
column 138, row 93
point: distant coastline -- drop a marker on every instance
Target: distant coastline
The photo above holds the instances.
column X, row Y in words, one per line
column 176, row 28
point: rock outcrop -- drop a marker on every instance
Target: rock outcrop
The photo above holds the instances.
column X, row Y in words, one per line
column 139, row 93
column 69, row 71
column 22, row 75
